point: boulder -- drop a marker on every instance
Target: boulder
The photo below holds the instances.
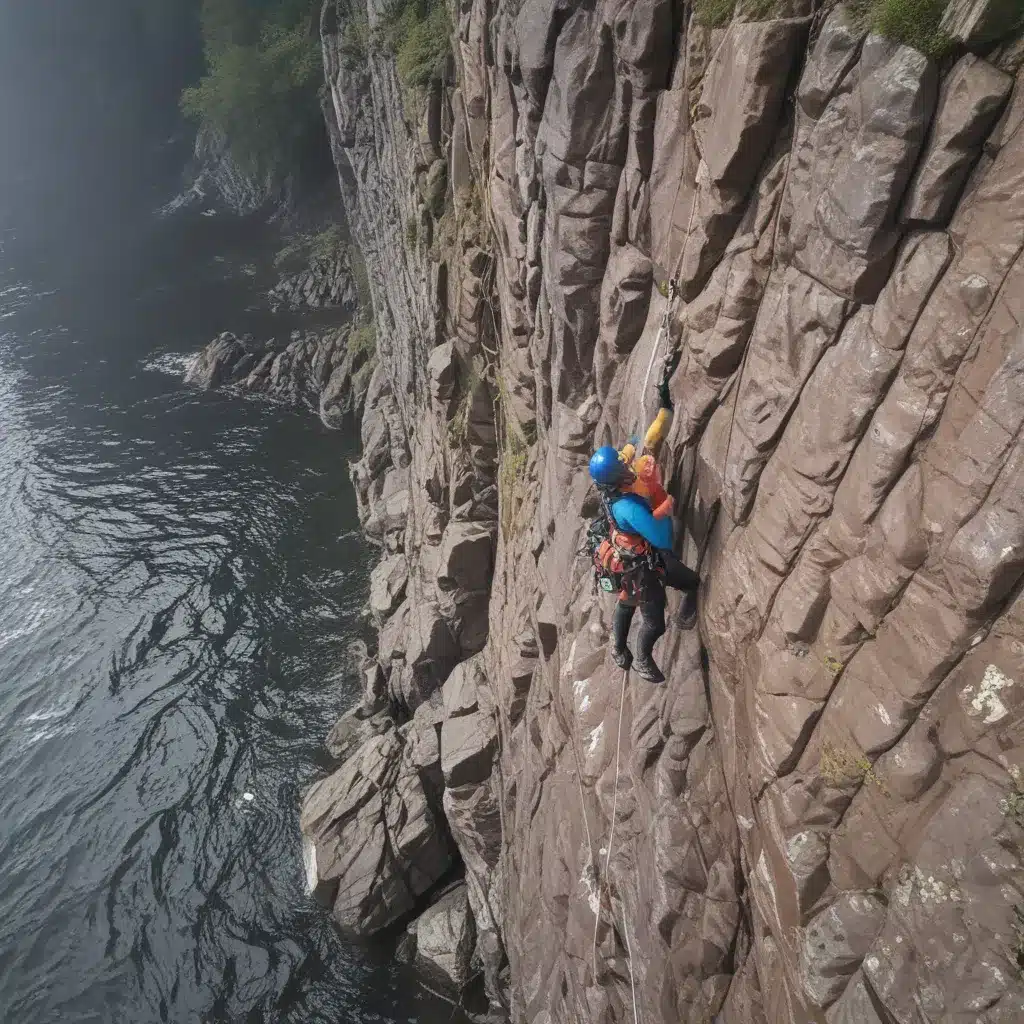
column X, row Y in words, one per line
column 461, row 691
column 835, row 942
column 441, row 370
column 387, row 586
column 975, row 23
column 466, row 553
column 214, row 365
column 353, row 729
column 378, row 844
column 445, row 938
column 420, row 645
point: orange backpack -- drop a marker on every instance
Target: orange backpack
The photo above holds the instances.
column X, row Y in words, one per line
column 622, row 561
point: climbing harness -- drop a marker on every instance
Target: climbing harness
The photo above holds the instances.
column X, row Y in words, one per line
column 622, row 562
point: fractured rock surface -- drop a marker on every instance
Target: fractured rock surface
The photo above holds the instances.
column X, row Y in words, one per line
column 818, row 817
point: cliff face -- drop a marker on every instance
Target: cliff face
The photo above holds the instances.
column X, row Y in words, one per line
column 819, row 817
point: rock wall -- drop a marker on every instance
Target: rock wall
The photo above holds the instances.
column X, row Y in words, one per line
column 820, row 817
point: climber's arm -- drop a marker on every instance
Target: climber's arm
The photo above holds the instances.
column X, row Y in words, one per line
column 657, row 431
column 633, row 516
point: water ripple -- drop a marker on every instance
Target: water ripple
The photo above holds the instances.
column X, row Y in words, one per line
column 180, row 588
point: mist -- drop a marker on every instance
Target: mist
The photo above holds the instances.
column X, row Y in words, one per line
column 89, row 117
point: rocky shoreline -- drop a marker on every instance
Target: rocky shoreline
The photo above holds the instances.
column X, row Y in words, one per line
column 818, row 818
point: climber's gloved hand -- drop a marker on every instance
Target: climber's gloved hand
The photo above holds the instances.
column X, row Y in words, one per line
column 669, row 367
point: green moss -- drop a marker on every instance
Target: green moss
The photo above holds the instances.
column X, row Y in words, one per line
column 761, row 10
column 319, row 248
column 362, row 342
column 513, row 461
column 412, row 231
column 362, row 278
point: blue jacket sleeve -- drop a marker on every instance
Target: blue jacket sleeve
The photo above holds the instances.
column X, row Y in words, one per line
column 632, row 515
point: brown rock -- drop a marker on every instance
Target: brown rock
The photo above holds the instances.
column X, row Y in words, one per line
column 977, row 22
column 468, row 744
column 445, row 938
column 970, row 101
column 375, row 836
column 884, row 120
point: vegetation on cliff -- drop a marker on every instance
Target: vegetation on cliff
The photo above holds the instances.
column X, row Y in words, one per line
column 914, row 23
column 263, row 69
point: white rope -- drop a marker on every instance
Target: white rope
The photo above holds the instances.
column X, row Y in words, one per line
column 657, row 340
column 615, row 789
column 602, row 884
column 629, row 953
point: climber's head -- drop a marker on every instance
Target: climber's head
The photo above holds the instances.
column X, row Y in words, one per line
column 607, row 468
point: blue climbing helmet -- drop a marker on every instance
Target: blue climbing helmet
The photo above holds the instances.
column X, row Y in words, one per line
column 605, row 466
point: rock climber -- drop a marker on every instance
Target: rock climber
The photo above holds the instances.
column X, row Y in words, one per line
column 635, row 555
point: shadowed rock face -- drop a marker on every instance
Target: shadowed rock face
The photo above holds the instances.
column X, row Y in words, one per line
column 819, row 817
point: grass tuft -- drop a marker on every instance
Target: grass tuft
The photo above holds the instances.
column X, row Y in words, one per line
column 909, row 22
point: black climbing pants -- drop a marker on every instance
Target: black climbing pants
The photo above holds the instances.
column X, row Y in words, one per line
column 652, row 604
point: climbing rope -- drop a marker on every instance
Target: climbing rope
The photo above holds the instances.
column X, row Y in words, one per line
column 672, row 293
column 615, row 786
column 603, row 882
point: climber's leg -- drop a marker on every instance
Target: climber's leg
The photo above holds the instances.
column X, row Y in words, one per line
column 685, row 579
column 652, row 626
column 676, row 574
column 621, row 654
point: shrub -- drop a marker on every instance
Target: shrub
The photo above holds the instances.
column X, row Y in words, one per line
column 362, row 341
column 418, row 32
column 354, row 42
column 837, row 765
column 328, row 244
column 263, row 68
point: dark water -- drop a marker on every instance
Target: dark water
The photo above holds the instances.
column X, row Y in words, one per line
column 180, row 586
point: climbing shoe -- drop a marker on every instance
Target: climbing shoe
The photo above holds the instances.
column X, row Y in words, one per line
column 646, row 669
column 686, row 617
column 623, row 658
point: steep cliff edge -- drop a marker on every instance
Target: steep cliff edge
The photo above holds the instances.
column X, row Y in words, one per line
column 819, row 817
